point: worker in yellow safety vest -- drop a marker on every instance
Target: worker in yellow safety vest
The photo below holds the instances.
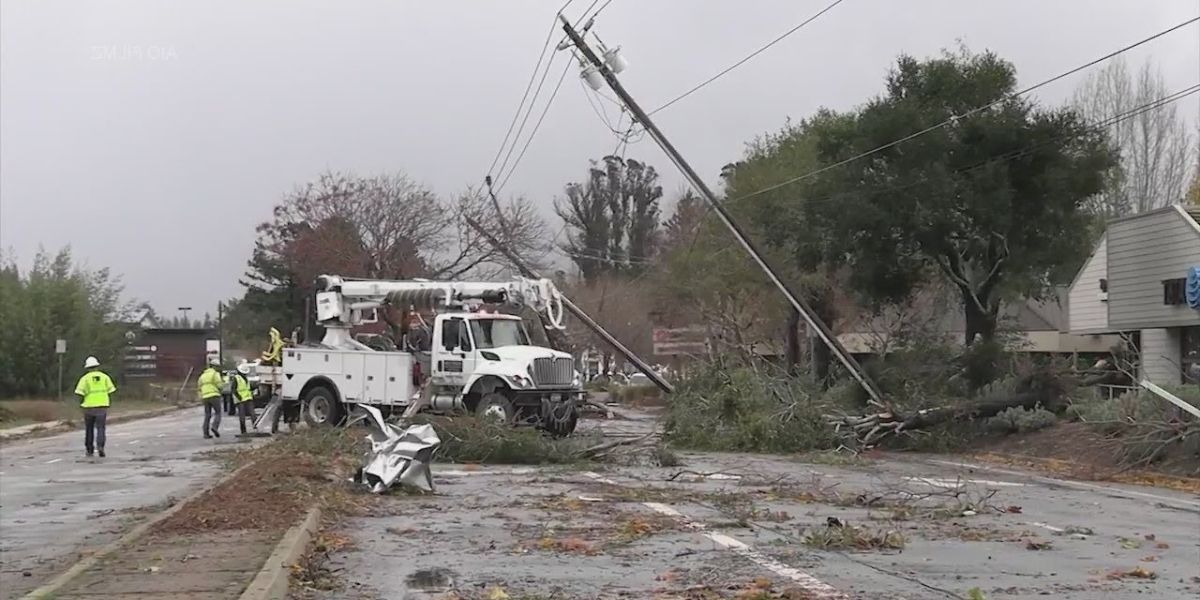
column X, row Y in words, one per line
column 209, row 386
column 95, row 391
column 243, row 395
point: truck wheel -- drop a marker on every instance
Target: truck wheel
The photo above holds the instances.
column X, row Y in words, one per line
column 561, row 420
column 321, row 407
column 495, row 407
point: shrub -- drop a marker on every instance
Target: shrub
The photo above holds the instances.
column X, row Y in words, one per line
column 1021, row 420
column 741, row 409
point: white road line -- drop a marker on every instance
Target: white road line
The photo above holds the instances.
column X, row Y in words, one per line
column 1190, row 505
column 463, row 473
column 1049, row 527
column 953, row 483
column 50, row 462
column 133, row 442
column 814, row 586
column 121, row 434
column 161, row 435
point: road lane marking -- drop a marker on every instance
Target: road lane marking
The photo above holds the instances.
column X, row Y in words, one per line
column 134, row 442
column 50, row 462
column 1047, row 526
column 1177, row 502
column 953, row 483
column 462, row 473
column 161, row 435
column 816, row 587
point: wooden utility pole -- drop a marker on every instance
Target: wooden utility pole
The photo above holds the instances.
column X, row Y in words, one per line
column 797, row 302
column 528, row 271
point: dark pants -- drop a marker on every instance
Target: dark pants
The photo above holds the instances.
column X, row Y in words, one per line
column 93, row 423
column 245, row 409
column 212, row 412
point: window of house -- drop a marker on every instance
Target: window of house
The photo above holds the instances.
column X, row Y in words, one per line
column 1189, row 352
column 1174, row 291
column 1104, row 285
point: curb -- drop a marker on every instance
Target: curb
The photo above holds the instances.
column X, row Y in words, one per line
column 55, row 427
column 271, row 582
column 47, row 590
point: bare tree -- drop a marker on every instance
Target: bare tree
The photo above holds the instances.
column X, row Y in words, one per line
column 1158, row 151
column 389, row 227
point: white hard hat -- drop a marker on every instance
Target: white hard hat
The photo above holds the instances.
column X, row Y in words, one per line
column 91, row 362
column 244, row 368
column 214, row 361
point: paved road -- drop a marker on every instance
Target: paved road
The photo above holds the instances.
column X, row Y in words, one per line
column 649, row 532
column 55, row 503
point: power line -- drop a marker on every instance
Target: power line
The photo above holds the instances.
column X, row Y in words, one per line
column 528, row 112
column 748, row 57
column 956, row 118
column 536, row 126
column 528, row 87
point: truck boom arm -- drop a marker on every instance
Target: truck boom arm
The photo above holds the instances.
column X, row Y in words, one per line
column 341, row 299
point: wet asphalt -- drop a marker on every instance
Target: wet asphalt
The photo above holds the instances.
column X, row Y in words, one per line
column 56, row 504
column 724, row 523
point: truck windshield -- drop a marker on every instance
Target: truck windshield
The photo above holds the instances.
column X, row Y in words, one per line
column 495, row 333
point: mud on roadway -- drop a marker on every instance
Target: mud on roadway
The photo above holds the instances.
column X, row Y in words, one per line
column 758, row 527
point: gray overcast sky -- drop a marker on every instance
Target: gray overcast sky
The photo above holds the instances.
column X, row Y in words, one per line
column 152, row 136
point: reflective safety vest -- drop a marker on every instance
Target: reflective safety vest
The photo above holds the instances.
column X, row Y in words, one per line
column 210, row 383
column 243, row 388
column 95, row 386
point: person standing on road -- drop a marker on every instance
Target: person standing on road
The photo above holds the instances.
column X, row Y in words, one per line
column 94, row 389
column 243, row 396
column 210, row 384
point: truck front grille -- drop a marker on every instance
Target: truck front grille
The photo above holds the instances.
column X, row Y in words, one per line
column 553, row 371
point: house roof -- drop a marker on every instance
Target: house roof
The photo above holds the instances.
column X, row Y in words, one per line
column 944, row 305
column 1190, row 213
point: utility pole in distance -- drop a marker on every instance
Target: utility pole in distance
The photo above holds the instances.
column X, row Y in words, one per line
column 797, row 302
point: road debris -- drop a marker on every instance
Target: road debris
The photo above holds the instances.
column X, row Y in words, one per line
column 396, row 455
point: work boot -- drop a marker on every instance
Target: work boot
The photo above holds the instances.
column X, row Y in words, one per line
column 207, row 436
column 102, row 453
column 89, row 454
column 216, row 433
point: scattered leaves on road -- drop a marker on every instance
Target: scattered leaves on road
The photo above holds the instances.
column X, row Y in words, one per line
column 1134, row 573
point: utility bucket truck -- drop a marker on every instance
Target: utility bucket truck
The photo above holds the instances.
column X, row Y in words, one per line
column 477, row 360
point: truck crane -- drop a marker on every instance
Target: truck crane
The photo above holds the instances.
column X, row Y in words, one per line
column 479, row 360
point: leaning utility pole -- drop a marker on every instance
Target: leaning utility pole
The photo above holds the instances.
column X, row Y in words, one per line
column 528, row 271
column 796, row 300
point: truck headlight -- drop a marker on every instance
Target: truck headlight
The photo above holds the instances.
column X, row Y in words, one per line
column 521, row 381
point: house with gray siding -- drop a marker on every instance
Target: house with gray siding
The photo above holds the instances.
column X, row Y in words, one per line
column 1135, row 282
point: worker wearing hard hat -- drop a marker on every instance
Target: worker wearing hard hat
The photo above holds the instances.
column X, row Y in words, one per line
column 209, row 386
column 95, row 391
column 243, row 395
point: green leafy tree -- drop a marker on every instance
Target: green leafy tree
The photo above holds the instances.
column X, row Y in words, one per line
column 995, row 202
column 57, row 299
column 612, row 218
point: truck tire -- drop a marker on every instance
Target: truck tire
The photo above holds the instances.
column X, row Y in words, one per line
column 322, row 408
column 561, row 422
column 495, row 406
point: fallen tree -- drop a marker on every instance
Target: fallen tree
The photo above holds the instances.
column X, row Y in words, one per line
column 1040, row 388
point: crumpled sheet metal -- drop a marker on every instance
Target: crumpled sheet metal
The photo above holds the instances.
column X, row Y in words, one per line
column 397, row 455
